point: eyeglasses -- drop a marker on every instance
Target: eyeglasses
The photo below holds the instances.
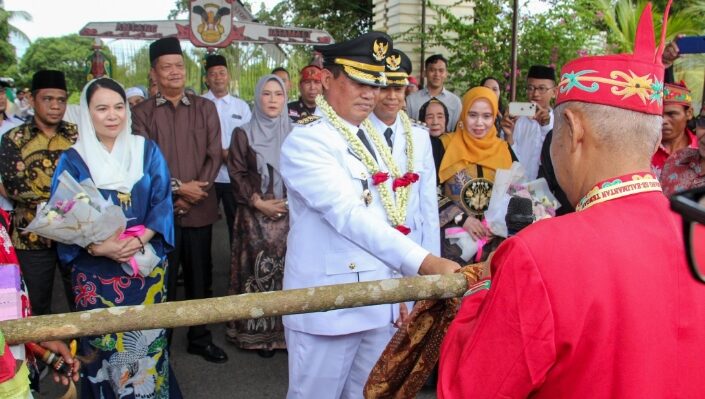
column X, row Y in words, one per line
column 691, row 206
column 540, row 89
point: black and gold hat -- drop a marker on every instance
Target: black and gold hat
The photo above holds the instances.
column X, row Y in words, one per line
column 397, row 67
column 361, row 58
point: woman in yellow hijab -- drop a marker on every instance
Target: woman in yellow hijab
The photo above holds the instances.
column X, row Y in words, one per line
column 473, row 153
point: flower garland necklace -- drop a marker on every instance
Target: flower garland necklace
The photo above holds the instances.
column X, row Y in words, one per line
column 401, row 184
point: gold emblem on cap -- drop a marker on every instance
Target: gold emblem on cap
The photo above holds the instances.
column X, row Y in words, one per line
column 379, row 50
column 393, row 62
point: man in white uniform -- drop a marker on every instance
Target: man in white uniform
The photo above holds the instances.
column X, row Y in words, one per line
column 526, row 135
column 392, row 123
column 232, row 112
column 340, row 230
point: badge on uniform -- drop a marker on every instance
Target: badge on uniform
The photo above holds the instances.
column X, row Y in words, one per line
column 236, row 116
column 366, row 193
column 367, row 197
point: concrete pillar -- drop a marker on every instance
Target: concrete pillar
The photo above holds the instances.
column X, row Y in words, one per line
column 399, row 17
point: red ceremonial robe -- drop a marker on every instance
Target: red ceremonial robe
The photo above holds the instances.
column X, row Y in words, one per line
column 595, row 304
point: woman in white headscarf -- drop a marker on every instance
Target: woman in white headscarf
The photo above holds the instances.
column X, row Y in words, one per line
column 132, row 172
column 261, row 220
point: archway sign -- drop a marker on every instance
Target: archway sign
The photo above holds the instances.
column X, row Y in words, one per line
column 211, row 25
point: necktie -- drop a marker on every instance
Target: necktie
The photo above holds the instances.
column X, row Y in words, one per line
column 361, row 135
column 388, row 136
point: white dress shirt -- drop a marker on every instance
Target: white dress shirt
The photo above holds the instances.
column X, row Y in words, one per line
column 422, row 208
column 415, row 100
column 528, row 141
column 232, row 112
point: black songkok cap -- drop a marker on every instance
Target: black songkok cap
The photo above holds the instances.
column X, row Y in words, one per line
column 362, row 58
column 48, row 79
column 164, row 46
column 215, row 60
column 397, row 67
column 542, row 72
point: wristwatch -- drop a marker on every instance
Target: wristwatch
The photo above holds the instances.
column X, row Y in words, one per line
column 175, row 185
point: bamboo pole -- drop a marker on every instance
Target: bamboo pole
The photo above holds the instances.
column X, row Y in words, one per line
column 235, row 307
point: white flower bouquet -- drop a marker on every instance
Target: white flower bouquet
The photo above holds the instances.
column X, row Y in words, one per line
column 513, row 182
column 77, row 214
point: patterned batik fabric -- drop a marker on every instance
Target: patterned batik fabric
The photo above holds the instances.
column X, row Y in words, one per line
column 133, row 364
column 683, row 171
column 258, row 249
column 412, row 354
column 28, row 158
column 658, row 161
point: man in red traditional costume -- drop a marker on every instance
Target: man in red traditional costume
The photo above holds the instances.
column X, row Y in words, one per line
column 598, row 303
column 675, row 134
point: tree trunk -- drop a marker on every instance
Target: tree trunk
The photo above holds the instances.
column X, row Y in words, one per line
column 235, row 307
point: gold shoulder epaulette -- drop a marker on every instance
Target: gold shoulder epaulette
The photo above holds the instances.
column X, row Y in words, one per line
column 308, row 119
column 420, row 124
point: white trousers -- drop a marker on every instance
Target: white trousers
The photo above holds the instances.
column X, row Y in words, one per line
column 333, row 367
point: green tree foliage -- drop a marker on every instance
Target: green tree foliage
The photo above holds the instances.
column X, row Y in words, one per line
column 67, row 53
column 480, row 46
column 7, row 51
column 134, row 70
column 343, row 19
column 566, row 31
column 620, row 19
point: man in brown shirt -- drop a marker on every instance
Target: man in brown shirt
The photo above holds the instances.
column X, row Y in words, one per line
column 187, row 130
column 29, row 154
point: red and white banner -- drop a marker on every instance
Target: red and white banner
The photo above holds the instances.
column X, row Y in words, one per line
column 246, row 32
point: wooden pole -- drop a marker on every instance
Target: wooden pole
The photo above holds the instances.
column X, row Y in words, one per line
column 235, row 307
column 515, row 34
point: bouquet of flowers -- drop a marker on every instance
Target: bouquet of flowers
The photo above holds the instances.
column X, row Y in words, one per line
column 77, row 214
column 513, row 182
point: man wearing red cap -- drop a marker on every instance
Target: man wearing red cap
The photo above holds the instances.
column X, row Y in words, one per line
column 608, row 309
column 309, row 87
column 675, row 135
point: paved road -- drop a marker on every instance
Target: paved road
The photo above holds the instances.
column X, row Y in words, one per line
column 245, row 375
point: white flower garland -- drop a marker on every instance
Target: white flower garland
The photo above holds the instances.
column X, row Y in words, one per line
column 396, row 214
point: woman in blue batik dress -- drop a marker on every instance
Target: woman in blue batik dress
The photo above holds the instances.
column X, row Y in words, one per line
column 132, row 172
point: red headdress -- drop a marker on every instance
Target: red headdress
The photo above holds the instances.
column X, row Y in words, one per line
column 677, row 93
column 628, row 81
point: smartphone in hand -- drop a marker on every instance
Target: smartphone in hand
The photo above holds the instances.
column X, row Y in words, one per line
column 522, row 109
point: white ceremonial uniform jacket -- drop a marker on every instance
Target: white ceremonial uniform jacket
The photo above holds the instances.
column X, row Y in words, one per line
column 422, row 209
column 334, row 238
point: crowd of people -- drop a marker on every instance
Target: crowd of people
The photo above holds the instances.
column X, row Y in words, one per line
column 359, row 179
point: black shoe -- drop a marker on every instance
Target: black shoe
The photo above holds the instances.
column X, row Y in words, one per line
column 265, row 353
column 210, row 353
